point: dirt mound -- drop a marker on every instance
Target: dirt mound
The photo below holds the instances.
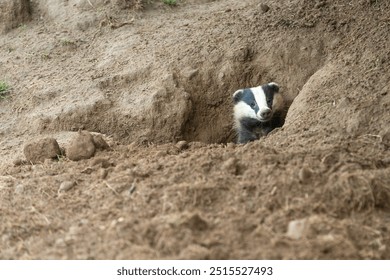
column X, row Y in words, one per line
column 158, row 81
column 37, row 152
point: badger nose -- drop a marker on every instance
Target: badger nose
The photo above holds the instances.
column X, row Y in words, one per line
column 265, row 113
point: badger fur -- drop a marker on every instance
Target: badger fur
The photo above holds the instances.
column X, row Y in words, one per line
column 257, row 111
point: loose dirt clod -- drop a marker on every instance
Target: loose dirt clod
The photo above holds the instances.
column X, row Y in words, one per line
column 19, row 189
column 81, row 147
column 19, row 161
column 296, row 228
column 39, row 151
column 182, row 145
column 264, row 7
column 66, row 186
column 305, row 174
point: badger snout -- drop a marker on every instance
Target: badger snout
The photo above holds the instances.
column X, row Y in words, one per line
column 265, row 114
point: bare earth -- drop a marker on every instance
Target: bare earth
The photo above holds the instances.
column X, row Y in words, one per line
column 147, row 78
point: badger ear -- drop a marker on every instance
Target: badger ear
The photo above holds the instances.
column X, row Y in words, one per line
column 237, row 96
column 274, row 87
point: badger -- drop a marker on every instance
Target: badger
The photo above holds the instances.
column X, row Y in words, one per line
column 257, row 111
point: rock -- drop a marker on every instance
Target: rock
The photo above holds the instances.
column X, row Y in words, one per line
column 305, row 174
column 38, row 151
column 296, row 228
column 182, row 145
column 66, row 186
column 19, row 161
column 190, row 73
column 81, row 147
column 13, row 13
column 264, row 7
column 19, row 189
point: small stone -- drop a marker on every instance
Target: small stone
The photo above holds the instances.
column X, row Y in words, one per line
column 18, row 162
column 81, row 147
column 60, row 242
column 296, row 228
column 189, row 73
column 334, row 43
column 38, row 151
column 182, row 145
column 19, row 189
column 264, row 7
column 305, row 174
column 66, row 186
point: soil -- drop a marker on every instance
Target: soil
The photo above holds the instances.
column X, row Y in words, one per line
column 155, row 83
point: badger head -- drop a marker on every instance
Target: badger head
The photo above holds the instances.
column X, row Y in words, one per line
column 255, row 103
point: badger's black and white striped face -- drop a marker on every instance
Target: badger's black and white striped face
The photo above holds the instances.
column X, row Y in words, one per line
column 255, row 103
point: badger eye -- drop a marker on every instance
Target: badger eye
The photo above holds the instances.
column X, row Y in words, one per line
column 253, row 104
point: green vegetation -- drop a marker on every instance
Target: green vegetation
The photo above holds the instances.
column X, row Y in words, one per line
column 67, row 42
column 45, row 56
column 22, row 26
column 170, row 2
column 4, row 90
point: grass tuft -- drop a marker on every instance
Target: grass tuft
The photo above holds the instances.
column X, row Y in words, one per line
column 170, row 2
column 4, row 90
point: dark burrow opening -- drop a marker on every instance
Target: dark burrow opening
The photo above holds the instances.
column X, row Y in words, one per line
column 211, row 89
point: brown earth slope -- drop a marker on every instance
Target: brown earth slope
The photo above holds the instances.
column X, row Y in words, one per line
column 318, row 188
